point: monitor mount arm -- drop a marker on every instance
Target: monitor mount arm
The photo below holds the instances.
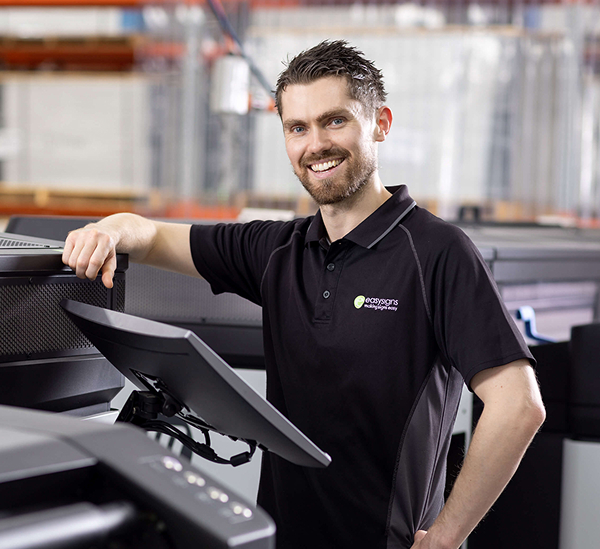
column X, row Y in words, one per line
column 144, row 407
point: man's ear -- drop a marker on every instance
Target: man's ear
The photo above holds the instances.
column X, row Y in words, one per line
column 384, row 123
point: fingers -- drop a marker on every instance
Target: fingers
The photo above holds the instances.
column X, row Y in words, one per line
column 420, row 535
column 108, row 272
column 88, row 251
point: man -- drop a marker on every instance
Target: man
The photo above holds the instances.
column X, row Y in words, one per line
column 374, row 312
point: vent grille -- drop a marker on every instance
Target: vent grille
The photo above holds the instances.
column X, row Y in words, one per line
column 12, row 244
column 169, row 297
column 32, row 322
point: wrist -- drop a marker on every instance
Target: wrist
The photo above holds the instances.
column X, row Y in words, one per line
column 440, row 537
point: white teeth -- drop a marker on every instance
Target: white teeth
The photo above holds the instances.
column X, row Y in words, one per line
column 325, row 165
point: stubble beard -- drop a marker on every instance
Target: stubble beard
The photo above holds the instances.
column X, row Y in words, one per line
column 343, row 187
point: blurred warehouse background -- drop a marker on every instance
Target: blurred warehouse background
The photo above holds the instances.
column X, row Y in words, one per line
column 164, row 108
column 150, row 106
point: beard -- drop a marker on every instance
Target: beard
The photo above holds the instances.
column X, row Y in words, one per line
column 333, row 190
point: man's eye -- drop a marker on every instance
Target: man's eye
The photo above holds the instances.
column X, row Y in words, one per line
column 337, row 121
column 297, row 129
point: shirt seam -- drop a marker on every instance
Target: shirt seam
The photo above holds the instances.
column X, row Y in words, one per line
column 420, row 271
column 391, row 227
column 262, row 280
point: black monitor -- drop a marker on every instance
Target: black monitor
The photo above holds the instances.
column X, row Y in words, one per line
column 157, row 356
column 45, row 362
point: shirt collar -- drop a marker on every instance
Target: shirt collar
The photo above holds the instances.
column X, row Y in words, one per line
column 375, row 227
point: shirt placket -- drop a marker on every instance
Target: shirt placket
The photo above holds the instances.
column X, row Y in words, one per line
column 330, row 276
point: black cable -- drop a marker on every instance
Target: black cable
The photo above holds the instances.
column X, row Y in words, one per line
column 143, row 408
column 199, row 424
column 203, row 450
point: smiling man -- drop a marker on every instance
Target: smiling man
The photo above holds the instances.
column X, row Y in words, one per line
column 375, row 313
column 330, row 139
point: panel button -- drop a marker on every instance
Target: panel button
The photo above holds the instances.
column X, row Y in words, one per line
column 239, row 509
column 194, row 478
column 214, row 493
column 172, row 464
column 217, row 494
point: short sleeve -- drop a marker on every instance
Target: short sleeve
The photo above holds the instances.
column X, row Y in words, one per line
column 232, row 257
column 473, row 328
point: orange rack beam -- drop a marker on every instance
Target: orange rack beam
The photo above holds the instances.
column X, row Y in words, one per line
column 68, row 53
column 71, row 3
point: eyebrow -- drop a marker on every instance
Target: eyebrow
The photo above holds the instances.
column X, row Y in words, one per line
column 324, row 116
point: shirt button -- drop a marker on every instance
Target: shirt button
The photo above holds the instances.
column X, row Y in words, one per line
column 331, row 267
column 326, row 294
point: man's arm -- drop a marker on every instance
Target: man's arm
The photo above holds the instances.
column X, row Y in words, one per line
column 94, row 247
column 513, row 412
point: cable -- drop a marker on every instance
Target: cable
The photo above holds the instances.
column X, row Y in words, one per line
column 143, row 407
column 203, row 450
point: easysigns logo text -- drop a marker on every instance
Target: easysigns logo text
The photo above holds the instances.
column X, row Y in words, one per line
column 377, row 303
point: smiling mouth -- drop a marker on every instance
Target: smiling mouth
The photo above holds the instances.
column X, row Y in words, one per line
column 324, row 166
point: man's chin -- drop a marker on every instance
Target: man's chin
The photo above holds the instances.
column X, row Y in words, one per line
column 333, row 190
column 323, row 193
column 327, row 196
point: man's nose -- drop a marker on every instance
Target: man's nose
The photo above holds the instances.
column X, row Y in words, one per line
column 319, row 141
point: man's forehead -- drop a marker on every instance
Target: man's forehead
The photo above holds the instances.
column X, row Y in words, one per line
column 327, row 92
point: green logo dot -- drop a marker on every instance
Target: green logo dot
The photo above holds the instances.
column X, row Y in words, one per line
column 359, row 301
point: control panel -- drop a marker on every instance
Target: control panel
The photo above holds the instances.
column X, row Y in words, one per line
column 203, row 490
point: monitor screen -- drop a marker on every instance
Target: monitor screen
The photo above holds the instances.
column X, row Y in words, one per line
column 151, row 353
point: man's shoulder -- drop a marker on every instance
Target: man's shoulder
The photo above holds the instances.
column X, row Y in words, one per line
column 258, row 228
column 431, row 232
column 280, row 231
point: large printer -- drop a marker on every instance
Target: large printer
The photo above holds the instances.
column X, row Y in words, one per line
column 71, row 483
column 45, row 362
column 230, row 325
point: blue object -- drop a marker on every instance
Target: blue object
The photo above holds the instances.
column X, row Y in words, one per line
column 527, row 315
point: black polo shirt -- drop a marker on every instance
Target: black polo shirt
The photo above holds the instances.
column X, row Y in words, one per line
column 367, row 343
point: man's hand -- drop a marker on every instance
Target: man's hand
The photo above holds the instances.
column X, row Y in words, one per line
column 419, row 536
column 91, row 250
column 94, row 248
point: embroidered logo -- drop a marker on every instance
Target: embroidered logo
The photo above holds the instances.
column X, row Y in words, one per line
column 377, row 303
column 359, row 301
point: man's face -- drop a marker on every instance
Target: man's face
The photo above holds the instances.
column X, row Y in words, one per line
column 329, row 139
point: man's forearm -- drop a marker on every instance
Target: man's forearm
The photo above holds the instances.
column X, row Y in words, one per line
column 495, row 452
column 513, row 412
column 131, row 233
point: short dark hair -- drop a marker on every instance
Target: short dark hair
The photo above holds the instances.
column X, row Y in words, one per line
column 337, row 58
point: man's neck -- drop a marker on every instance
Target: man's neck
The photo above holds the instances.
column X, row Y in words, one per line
column 341, row 218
